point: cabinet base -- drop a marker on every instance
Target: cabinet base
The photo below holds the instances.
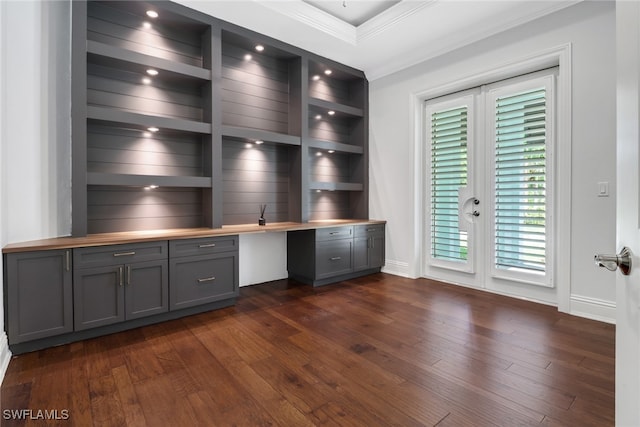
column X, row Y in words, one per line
column 26, row 347
column 334, row 279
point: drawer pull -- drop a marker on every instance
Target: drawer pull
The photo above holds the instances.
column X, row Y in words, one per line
column 333, row 233
column 124, row 253
column 207, row 245
column 335, row 258
column 207, row 279
column 372, row 229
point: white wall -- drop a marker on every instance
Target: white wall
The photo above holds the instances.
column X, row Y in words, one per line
column 590, row 28
column 35, row 138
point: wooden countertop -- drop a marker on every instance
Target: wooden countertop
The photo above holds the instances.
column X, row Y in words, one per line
column 173, row 234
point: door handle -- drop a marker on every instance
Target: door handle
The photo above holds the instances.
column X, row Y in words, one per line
column 612, row 262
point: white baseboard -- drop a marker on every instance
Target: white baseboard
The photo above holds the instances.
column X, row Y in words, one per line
column 593, row 308
column 397, row 268
column 5, row 356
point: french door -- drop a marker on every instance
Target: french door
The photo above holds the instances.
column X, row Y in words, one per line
column 488, row 217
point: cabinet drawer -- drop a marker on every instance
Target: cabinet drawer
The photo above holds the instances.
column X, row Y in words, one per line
column 119, row 254
column 333, row 258
column 202, row 279
column 334, row 233
column 369, row 230
column 203, row 246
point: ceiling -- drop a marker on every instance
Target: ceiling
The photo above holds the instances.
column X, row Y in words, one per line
column 354, row 12
column 379, row 37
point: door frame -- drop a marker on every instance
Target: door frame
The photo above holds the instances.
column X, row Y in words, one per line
column 557, row 56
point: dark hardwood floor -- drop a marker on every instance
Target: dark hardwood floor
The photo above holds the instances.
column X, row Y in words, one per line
column 375, row 351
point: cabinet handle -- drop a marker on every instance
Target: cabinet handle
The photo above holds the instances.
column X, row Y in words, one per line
column 128, row 275
column 67, row 261
column 373, row 243
column 121, row 275
column 124, row 253
column 207, row 279
column 207, row 245
column 333, row 233
column 335, row 258
column 372, row 229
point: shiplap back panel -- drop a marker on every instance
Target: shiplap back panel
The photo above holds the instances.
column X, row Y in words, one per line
column 331, row 90
column 126, row 151
column 108, row 24
column 111, row 209
column 328, row 167
column 254, row 176
column 344, row 130
column 328, row 205
column 112, row 88
column 255, row 92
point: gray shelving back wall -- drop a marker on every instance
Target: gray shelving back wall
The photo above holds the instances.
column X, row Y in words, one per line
column 214, row 97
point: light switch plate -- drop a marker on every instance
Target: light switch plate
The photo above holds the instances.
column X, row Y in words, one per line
column 603, row 189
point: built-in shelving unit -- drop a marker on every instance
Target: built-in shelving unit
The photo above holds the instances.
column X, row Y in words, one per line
column 181, row 120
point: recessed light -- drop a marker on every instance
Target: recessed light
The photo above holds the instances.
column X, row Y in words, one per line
column 328, row 72
column 152, row 72
column 146, row 80
column 151, row 187
column 258, row 142
column 146, row 134
column 153, row 129
column 331, row 151
column 318, row 116
column 248, row 57
column 318, row 154
column 152, row 14
column 331, row 112
column 248, row 145
column 259, row 47
column 315, row 78
column 146, row 25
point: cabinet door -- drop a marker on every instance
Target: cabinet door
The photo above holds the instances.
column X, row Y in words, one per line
column 98, row 296
column 361, row 253
column 146, row 287
column 38, row 292
column 376, row 251
column 203, row 279
column 333, row 258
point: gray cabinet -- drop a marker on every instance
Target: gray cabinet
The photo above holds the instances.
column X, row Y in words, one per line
column 203, row 271
column 119, row 282
column 369, row 246
column 327, row 255
column 38, row 295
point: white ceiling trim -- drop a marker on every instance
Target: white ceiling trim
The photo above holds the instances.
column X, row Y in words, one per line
column 408, row 60
column 390, row 17
column 314, row 17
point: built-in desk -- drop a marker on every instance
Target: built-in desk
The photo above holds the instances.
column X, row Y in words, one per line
column 66, row 289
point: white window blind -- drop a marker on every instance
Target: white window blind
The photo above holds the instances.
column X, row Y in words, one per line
column 448, row 175
column 521, row 181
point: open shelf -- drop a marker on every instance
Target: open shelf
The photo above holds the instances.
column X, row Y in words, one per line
column 257, row 85
column 98, row 178
column 335, row 146
column 124, row 59
column 336, row 186
column 337, row 84
column 322, row 106
column 144, row 121
column 171, row 36
column 252, row 135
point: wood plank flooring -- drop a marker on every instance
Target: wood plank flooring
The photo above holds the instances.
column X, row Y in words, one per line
column 374, row 351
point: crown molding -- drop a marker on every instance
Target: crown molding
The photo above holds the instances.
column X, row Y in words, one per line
column 390, row 17
column 315, row 18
